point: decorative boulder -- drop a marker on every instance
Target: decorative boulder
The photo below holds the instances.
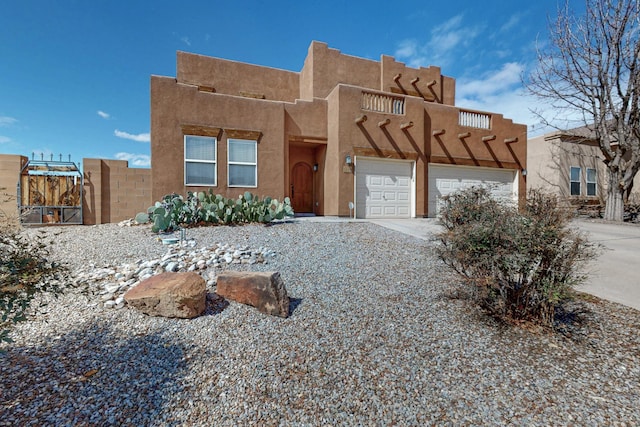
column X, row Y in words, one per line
column 263, row 290
column 170, row 295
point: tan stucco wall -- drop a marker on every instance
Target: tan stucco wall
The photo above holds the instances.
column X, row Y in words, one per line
column 317, row 124
column 113, row 191
column 441, row 92
column 550, row 159
column 174, row 105
column 324, row 68
column 237, row 78
column 10, row 167
column 507, row 149
column 330, row 67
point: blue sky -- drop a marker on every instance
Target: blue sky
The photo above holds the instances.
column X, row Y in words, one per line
column 74, row 75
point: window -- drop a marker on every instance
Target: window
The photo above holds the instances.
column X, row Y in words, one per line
column 591, row 182
column 243, row 163
column 575, row 181
column 200, row 166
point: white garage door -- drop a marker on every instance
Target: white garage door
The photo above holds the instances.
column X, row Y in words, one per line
column 383, row 188
column 447, row 179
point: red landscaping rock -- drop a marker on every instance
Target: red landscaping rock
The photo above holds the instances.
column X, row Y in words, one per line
column 180, row 295
column 263, row 290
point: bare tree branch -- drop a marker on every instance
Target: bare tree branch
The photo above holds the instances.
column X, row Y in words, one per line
column 591, row 70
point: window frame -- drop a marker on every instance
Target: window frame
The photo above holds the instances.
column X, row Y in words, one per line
column 201, row 161
column 594, row 182
column 232, row 163
column 572, row 181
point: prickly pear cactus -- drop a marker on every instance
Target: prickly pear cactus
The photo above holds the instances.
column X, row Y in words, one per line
column 205, row 207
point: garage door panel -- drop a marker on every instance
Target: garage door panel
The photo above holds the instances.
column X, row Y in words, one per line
column 375, row 180
column 390, row 211
column 375, row 211
column 388, row 181
column 376, row 196
column 389, row 196
column 383, row 188
column 444, row 180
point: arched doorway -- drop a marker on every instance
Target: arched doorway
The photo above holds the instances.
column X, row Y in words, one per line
column 302, row 188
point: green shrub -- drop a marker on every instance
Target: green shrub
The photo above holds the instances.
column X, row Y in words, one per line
column 208, row 208
column 519, row 265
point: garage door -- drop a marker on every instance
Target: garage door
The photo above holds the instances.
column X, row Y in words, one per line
column 444, row 180
column 383, row 188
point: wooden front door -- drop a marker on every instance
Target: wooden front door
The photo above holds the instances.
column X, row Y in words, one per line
column 302, row 188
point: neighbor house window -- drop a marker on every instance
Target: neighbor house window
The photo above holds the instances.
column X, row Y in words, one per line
column 200, row 166
column 591, row 182
column 243, row 163
column 575, row 181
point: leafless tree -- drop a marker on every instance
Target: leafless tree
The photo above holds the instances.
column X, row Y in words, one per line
column 591, row 69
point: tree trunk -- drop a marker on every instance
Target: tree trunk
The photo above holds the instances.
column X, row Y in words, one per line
column 614, row 209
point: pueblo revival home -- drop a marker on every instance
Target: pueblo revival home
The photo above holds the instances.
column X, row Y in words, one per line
column 344, row 136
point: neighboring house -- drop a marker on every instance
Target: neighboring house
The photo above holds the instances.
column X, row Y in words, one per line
column 382, row 137
column 570, row 165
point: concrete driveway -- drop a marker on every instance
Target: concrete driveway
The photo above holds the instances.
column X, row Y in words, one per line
column 614, row 276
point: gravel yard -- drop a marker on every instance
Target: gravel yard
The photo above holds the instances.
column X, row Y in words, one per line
column 379, row 335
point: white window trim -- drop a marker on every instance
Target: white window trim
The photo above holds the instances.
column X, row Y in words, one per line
column 229, row 163
column 214, row 162
column 579, row 181
column 595, row 182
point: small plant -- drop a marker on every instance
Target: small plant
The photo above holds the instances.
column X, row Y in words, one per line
column 519, row 265
column 208, row 208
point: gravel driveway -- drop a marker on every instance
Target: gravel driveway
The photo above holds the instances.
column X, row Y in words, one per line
column 380, row 334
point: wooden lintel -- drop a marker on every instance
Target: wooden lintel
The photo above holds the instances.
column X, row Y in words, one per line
column 387, row 154
column 253, row 95
column 208, row 89
column 201, row 130
column 253, row 135
column 307, row 139
column 463, row 161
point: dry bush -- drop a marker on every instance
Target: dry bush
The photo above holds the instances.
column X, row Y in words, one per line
column 519, row 265
column 24, row 272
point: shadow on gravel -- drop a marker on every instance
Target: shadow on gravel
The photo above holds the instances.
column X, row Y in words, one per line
column 572, row 318
column 92, row 376
column 294, row 303
column 215, row 304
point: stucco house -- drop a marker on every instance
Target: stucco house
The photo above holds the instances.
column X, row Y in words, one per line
column 344, row 132
column 570, row 164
